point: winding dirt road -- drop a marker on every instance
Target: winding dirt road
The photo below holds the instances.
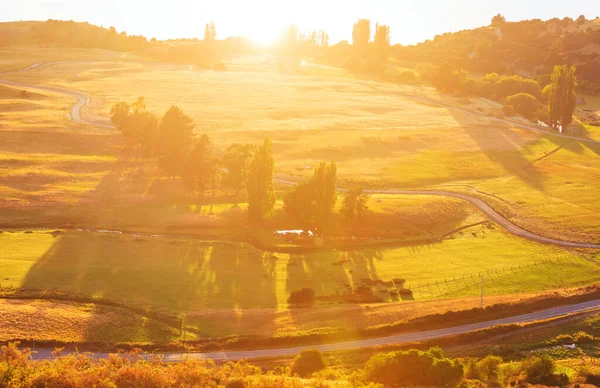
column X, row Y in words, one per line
column 77, row 116
column 557, row 312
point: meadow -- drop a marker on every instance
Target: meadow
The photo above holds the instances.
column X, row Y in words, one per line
column 382, row 134
column 200, row 277
column 56, row 174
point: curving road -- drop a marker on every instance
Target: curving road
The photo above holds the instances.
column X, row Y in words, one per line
column 83, row 100
column 557, row 312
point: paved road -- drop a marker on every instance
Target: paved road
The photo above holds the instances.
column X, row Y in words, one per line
column 390, row 340
column 83, row 99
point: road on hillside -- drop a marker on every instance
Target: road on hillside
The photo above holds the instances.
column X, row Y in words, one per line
column 556, row 312
column 83, row 99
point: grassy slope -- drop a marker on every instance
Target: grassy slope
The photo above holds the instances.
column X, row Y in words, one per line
column 184, row 275
column 47, row 320
column 369, row 129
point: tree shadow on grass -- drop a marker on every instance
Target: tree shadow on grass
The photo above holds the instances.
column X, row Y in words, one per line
column 171, row 276
column 498, row 142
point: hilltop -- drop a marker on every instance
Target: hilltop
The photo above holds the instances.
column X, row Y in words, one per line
column 529, row 48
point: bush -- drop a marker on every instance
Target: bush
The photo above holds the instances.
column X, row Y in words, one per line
column 524, row 104
column 414, row 368
column 538, row 368
column 302, row 297
column 307, row 363
column 220, row 67
column 487, row 368
column 582, row 337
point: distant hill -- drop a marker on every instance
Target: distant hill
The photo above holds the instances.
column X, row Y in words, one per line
column 70, row 34
column 530, row 48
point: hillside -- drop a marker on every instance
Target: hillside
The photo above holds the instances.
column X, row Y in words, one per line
column 530, row 48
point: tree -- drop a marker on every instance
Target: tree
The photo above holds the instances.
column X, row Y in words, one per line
column 414, row 368
column 175, row 139
column 524, row 103
column 312, row 202
column 207, row 32
column 562, row 99
column 498, row 20
column 213, row 31
column 323, row 39
column 200, row 167
column 236, row 161
column 354, row 206
column 382, row 42
column 307, row 362
column 361, row 35
column 261, row 195
column 136, row 123
column 581, row 20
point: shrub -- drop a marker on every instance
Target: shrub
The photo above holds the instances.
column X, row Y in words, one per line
column 307, row 363
column 413, row 368
column 302, row 297
column 487, row 368
column 524, row 103
column 583, row 338
column 538, row 368
column 220, row 67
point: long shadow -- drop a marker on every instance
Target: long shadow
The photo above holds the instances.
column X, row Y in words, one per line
column 158, row 275
column 499, row 143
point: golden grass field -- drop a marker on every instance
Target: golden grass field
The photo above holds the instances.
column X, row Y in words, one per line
column 383, row 134
column 54, row 174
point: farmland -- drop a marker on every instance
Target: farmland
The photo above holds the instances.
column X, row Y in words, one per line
column 56, row 174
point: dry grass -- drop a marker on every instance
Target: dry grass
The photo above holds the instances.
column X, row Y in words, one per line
column 383, row 134
column 44, row 320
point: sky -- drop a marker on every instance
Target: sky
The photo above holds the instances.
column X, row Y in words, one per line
column 411, row 21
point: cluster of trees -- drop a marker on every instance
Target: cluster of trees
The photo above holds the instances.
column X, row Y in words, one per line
column 414, row 368
column 312, row 202
column 180, row 153
column 554, row 104
column 411, row 368
column 532, row 46
column 210, row 31
column 361, row 40
column 74, row 35
column 295, row 42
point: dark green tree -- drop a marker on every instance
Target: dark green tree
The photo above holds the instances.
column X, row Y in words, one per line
column 562, row 99
column 312, row 202
column 136, row 123
column 361, row 36
column 382, row 42
column 498, row 20
column 354, row 206
column 175, row 140
column 200, row 167
column 261, row 194
column 236, row 161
